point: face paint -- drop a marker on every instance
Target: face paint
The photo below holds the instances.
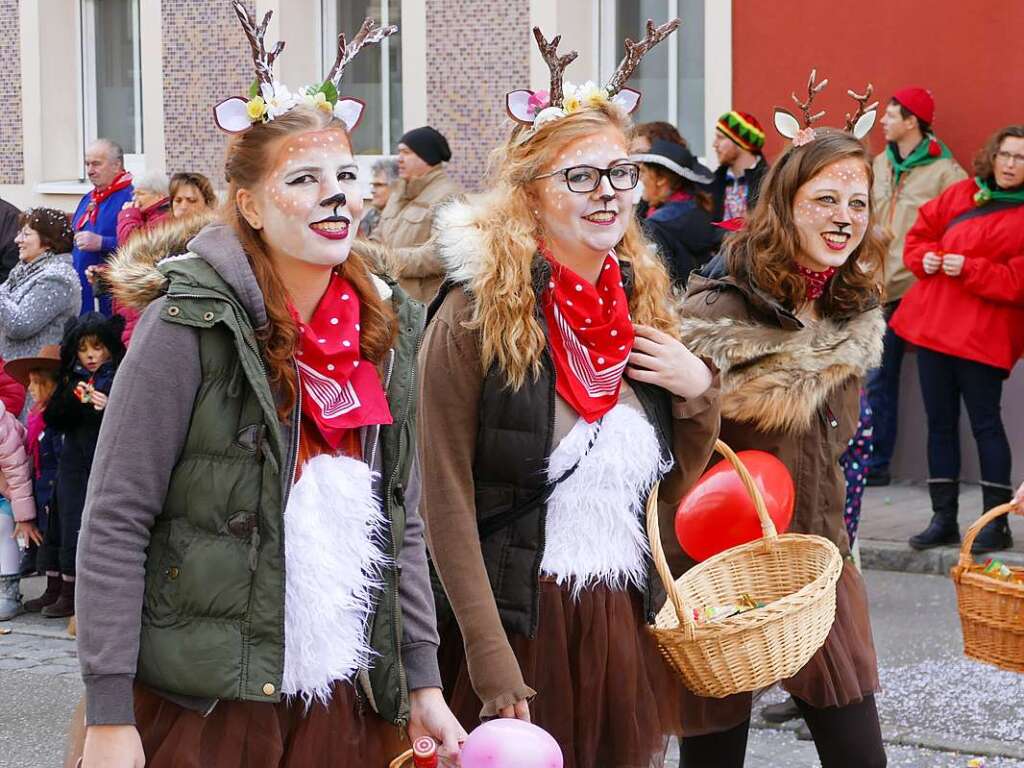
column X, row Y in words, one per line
column 310, row 202
column 831, row 214
column 591, row 222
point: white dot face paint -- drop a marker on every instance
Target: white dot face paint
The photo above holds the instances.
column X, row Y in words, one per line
column 831, row 214
column 310, row 202
column 577, row 222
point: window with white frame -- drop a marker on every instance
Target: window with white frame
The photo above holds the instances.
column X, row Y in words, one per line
column 375, row 75
column 672, row 76
column 111, row 74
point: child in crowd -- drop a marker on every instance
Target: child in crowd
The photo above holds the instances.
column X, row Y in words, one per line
column 40, row 375
column 90, row 352
column 17, row 510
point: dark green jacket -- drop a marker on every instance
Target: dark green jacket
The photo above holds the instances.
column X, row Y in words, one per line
column 212, row 612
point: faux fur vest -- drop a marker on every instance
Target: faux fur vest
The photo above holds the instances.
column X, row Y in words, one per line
column 777, row 378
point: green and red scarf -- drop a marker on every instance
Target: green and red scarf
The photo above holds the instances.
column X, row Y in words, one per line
column 925, row 153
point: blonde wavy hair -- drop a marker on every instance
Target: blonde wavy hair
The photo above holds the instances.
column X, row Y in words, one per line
column 505, row 309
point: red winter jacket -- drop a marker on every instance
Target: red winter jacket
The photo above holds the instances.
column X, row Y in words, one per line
column 979, row 314
column 129, row 222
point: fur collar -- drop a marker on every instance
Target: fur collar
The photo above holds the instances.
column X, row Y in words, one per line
column 134, row 278
column 460, row 242
column 778, row 378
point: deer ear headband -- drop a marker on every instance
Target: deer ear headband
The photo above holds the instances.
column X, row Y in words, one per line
column 269, row 99
column 535, row 108
column 859, row 124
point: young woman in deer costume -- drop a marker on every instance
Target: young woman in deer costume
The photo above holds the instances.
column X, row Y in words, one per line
column 789, row 313
column 254, row 589
column 554, row 394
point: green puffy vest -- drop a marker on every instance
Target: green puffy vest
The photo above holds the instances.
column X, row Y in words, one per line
column 213, row 612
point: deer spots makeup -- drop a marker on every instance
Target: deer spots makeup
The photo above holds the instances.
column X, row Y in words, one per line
column 578, row 222
column 309, row 204
column 831, row 213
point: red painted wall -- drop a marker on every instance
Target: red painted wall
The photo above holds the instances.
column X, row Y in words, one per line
column 970, row 53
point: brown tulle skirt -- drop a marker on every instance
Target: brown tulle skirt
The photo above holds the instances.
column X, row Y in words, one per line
column 603, row 690
column 252, row 734
column 842, row 672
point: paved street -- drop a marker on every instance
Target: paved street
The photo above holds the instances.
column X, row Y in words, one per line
column 933, row 696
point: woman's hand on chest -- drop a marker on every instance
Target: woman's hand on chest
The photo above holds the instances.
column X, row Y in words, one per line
column 659, row 359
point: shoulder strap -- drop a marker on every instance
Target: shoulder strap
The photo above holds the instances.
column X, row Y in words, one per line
column 535, row 499
column 993, row 207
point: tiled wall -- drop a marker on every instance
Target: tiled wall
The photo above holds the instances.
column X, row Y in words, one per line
column 217, row 65
column 12, row 158
column 477, row 51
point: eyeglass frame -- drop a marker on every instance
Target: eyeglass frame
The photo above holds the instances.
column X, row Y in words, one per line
column 1010, row 157
column 602, row 173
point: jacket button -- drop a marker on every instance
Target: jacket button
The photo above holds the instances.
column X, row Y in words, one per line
column 172, row 572
column 173, row 311
column 268, row 689
column 208, row 316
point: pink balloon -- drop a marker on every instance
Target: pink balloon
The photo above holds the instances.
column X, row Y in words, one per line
column 507, row 743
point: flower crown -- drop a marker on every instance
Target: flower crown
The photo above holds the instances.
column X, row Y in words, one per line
column 269, row 99
column 859, row 124
column 535, row 108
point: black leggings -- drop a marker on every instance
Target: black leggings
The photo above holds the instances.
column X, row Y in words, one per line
column 845, row 737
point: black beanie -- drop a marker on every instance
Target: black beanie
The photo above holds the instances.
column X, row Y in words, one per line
column 429, row 144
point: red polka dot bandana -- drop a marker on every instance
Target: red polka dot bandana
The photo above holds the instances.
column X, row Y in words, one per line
column 590, row 335
column 340, row 390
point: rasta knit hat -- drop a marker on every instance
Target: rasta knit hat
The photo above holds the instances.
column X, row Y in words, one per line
column 918, row 101
column 743, row 129
column 428, row 143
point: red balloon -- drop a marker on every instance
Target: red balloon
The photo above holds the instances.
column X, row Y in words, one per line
column 719, row 513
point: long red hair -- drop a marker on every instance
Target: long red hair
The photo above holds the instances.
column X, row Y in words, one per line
column 249, row 158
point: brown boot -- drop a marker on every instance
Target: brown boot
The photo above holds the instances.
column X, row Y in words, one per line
column 49, row 597
column 64, row 606
column 72, row 627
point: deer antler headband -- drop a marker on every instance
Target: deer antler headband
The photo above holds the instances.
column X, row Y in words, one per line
column 534, row 108
column 859, row 124
column 269, row 99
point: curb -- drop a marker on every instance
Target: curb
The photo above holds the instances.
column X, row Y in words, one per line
column 881, row 555
column 909, row 737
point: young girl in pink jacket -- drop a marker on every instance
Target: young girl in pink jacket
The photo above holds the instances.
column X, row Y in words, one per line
column 17, row 509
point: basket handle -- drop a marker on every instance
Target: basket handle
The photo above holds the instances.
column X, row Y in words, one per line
column 686, row 622
column 966, row 559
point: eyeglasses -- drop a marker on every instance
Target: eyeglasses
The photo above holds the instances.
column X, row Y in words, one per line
column 1009, row 157
column 587, row 178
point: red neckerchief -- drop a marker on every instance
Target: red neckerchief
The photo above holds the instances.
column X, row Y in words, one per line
column 815, row 281
column 340, row 390
column 97, row 196
column 679, row 196
column 590, row 335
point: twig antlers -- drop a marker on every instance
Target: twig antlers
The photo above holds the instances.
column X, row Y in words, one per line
column 262, row 59
column 369, row 34
column 812, row 91
column 556, row 64
column 861, row 108
column 636, row 51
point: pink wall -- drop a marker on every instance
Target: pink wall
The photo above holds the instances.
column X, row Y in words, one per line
column 970, row 54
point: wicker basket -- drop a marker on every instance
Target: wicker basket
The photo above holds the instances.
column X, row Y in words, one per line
column 794, row 574
column 991, row 611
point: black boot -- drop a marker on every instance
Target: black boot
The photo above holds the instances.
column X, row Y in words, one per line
column 943, row 528
column 64, row 606
column 47, row 598
column 996, row 535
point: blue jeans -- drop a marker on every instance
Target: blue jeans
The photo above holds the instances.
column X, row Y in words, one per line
column 883, row 390
column 945, row 380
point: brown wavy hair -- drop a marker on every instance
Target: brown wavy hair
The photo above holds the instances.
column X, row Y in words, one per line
column 505, row 302
column 984, row 160
column 249, row 159
column 52, row 226
column 765, row 250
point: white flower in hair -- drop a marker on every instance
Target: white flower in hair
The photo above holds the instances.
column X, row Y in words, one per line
column 591, row 94
column 278, row 99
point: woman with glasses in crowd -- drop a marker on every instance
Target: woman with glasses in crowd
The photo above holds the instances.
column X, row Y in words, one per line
column 965, row 315
column 554, row 394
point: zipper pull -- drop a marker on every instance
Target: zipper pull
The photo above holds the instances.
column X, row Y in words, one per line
column 830, row 417
column 254, row 546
